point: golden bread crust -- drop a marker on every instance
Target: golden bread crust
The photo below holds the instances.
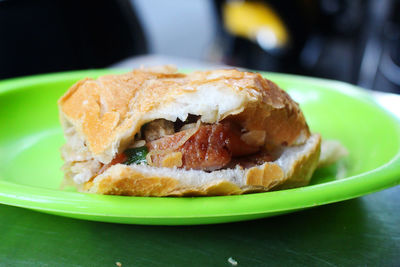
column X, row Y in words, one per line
column 109, row 111
column 268, row 175
column 277, row 114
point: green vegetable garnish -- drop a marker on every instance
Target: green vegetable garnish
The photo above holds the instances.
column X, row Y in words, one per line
column 136, row 155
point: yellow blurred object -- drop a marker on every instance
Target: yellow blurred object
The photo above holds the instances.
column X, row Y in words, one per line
column 255, row 21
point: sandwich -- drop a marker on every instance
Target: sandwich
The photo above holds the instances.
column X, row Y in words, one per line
column 158, row 132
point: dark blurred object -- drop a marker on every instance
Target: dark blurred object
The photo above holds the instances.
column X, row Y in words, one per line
column 356, row 41
column 387, row 77
column 46, row 36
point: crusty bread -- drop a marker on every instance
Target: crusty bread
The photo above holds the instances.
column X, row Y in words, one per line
column 107, row 112
column 101, row 117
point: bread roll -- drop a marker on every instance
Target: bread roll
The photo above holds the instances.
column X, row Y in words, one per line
column 102, row 118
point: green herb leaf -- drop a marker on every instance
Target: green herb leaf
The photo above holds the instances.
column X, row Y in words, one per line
column 136, row 155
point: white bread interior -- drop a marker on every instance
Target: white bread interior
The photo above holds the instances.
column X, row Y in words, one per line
column 331, row 152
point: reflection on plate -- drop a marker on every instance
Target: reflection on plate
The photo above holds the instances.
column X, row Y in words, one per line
column 30, row 173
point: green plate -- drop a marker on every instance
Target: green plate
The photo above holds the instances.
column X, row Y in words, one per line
column 30, row 173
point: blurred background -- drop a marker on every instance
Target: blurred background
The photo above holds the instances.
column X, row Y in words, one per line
column 356, row 41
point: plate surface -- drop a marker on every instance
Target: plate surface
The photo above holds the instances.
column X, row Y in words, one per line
column 30, row 173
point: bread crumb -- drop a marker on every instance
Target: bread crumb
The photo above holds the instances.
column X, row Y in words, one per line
column 232, row 261
column 118, row 264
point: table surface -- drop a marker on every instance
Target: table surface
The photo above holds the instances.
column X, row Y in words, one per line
column 363, row 231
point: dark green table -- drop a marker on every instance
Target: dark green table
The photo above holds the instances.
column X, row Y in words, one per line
column 358, row 232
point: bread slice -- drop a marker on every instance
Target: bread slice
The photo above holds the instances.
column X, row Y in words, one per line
column 101, row 117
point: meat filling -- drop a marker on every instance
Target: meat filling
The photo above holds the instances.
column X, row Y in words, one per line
column 210, row 148
column 205, row 147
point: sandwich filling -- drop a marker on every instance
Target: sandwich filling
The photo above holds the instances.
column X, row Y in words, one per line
column 195, row 145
